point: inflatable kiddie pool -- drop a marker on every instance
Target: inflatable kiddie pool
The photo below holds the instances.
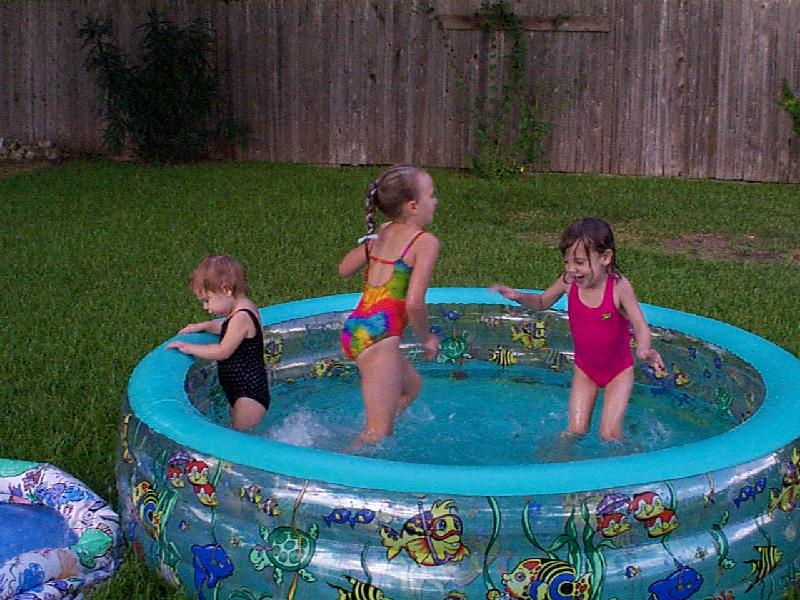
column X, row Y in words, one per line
column 709, row 512
column 57, row 538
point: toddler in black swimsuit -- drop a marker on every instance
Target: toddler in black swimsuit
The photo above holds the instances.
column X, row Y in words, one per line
column 219, row 283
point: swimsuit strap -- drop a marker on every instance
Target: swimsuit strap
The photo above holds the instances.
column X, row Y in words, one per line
column 252, row 317
column 386, row 261
column 414, row 239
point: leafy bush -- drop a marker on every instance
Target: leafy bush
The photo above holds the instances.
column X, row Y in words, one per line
column 163, row 106
column 791, row 105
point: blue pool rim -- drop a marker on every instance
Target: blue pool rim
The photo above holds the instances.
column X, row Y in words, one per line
column 157, row 397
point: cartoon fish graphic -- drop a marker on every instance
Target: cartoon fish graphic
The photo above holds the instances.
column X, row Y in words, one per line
column 145, row 501
column 546, row 579
column 682, row 583
column 328, row 367
column 540, row 334
column 503, row 357
column 211, row 564
column 430, row 538
column 765, row 564
column 364, row 516
column 749, row 492
column 612, row 524
column 662, row 524
column 273, row 350
column 524, row 335
column 338, row 516
column 681, row 378
column 632, row 571
column 360, row 591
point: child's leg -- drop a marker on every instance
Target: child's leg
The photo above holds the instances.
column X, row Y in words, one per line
column 246, row 413
column 412, row 383
column 615, row 403
column 582, row 396
column 381, row 385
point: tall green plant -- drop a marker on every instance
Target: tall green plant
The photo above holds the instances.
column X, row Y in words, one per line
column 163, row 105
column 791, row 105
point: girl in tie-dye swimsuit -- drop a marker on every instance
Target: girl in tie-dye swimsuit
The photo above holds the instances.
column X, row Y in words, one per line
column 381, row 312
column 393, row 297
column 602, row 306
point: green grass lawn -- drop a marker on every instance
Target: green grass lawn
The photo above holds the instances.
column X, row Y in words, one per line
column 96, row 258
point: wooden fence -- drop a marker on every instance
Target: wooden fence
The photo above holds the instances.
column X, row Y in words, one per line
column 650, row 87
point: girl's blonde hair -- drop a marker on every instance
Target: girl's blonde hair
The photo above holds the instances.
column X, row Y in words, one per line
column 219, row 273
column 390, row 191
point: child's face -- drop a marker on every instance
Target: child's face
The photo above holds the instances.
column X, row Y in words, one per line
column 586, row 266
column 425, row 203
column 217, row 303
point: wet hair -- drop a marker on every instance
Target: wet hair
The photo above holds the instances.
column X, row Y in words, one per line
column 593, row 234
column 390, row 191
column 217, row 273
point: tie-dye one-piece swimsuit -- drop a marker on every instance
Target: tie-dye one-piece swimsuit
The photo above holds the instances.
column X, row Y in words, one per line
column 381, row 312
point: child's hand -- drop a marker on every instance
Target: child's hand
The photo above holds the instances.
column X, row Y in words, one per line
column 652, row 357
column 431, row 347
column 193, row 328
column 506, row 292
column 182, row 347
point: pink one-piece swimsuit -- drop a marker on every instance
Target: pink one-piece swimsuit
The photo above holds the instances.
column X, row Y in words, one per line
column 601, row 336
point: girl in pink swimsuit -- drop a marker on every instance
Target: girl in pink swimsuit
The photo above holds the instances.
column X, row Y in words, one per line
column 397, row 262
column 602, row 306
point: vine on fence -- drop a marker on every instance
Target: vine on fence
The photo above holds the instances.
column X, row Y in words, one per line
column 509, row 129
column 791, row 105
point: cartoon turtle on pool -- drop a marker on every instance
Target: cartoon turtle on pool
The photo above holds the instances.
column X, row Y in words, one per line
column 453, row 349
column 287, row 549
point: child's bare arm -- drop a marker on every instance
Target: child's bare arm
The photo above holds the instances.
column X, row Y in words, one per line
column 353, row 261
column 238, row 327
column 214, row 326
column 541, row 301
column 641, row 331
column 426, row 252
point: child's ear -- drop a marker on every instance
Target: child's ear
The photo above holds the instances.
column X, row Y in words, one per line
column 606, row 256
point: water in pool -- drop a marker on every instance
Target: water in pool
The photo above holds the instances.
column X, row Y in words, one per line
column 42, row 526
column 479, row 416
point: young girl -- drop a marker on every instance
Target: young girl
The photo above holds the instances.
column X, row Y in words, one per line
column 601, row 308
column 398, row 263
column 219, row 283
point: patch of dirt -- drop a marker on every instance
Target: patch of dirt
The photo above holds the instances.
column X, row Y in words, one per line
column 718, row 246
column 704, row 246
column 14, row 167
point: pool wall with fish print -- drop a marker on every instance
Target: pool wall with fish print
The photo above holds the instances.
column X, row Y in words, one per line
column 226, row 515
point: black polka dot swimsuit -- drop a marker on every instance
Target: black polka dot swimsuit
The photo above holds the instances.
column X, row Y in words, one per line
column 243, row 373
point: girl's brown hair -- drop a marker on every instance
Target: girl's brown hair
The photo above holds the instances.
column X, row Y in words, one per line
column 593, row 234
column 390, row 191
column 217, row 273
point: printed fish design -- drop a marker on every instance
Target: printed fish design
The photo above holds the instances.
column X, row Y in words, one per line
column 679, row 585
column 211, row 564
column 766, row 563
column 749, row 492
column 546, row 579
column 503, row 357
column 632, row 571
column 268, row 505
column 145, row 500
column 359, row 591
column 524, row 335
column 430, row 538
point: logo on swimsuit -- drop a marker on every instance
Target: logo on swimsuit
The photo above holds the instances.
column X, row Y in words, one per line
column 605, row 316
